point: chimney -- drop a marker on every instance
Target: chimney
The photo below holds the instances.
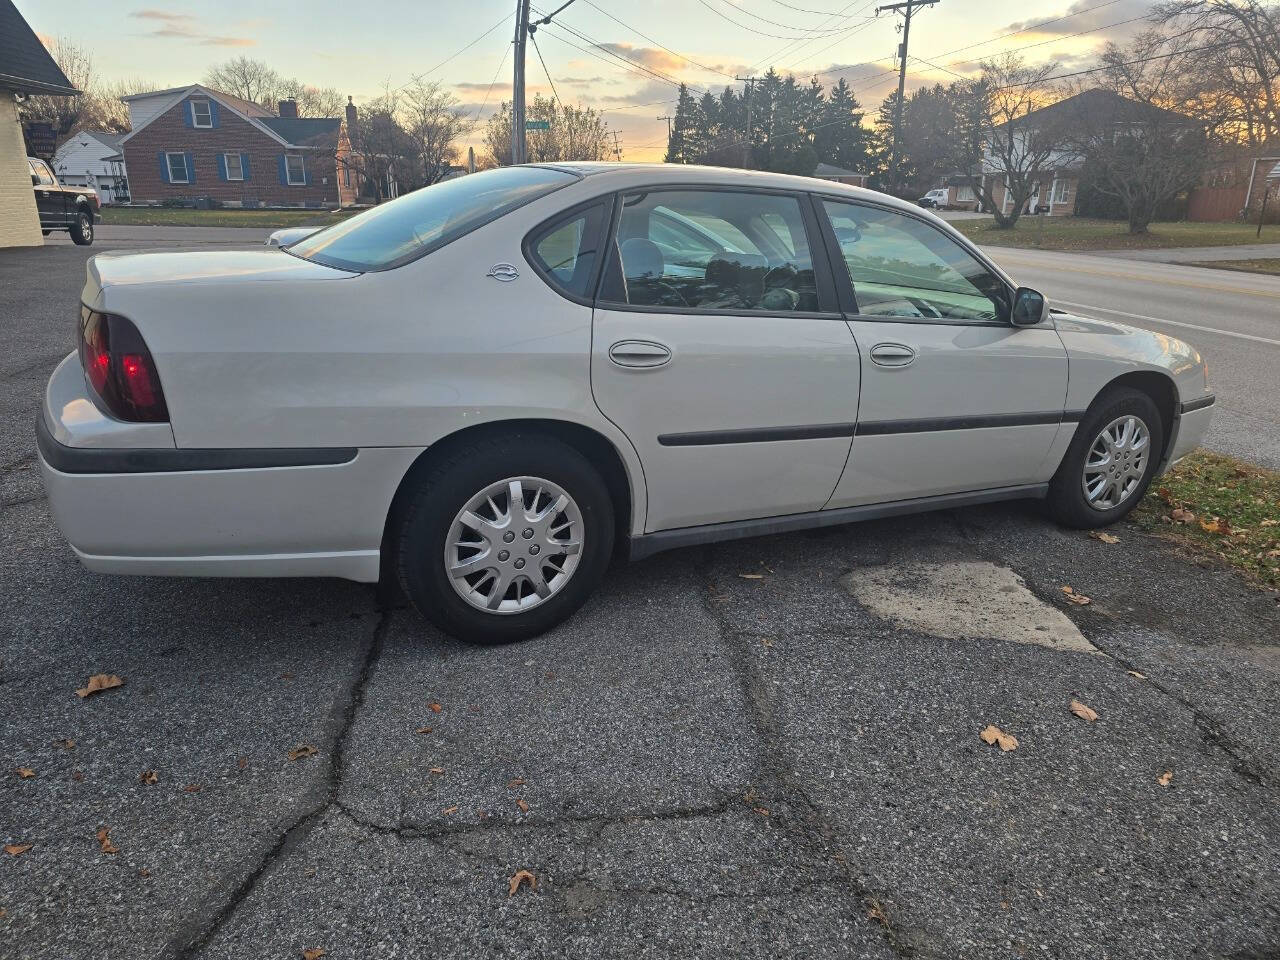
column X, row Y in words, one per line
column 289, row 108
column 351, row 115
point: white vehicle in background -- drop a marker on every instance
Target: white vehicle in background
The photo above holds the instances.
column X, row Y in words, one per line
column 935, row 199
column 288, row 235
column 488, row 388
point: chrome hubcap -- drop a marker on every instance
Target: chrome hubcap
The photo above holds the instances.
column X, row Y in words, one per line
column 514, row 545
column 1116, row 463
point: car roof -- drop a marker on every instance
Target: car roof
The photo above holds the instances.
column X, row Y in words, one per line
column 623, row 175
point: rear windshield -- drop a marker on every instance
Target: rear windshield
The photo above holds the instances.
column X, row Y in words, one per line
column 417, row 223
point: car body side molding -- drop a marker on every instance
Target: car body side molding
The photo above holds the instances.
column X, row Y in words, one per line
column 1198, row 404
column 67, row 459
column 648, row 544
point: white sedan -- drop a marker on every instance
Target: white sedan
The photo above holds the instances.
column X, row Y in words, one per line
column 487, row 389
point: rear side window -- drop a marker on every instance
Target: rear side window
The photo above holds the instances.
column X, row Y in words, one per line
column 567, row 251
column 713, row 250
column 413, row 225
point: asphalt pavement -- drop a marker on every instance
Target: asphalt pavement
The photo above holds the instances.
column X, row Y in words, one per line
column 761, row 749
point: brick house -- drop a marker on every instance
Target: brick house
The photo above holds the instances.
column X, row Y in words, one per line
column 193, row 142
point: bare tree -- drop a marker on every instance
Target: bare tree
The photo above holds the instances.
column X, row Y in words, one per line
column 574, row 133
column 1016, row 150
column 312, row 101
column 1238, row 46
column 381, row 149
column 435, row 123
column 65, row 114
column 1145, row 148
column 248, row 79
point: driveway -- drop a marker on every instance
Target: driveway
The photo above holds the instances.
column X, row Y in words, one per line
column 761, row 749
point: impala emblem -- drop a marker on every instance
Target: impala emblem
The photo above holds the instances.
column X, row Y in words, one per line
column 505, row 272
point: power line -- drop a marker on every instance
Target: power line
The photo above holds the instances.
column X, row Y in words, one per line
column 484, row 103
column 534, row 37
column 808, row 34
column 625, row 61
column 656, row 43
column 790, row 6
column 793, row 46
column 456, row 54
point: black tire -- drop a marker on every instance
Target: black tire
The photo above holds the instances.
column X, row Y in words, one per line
column 448, row 485
column 45, row 233
column 1066, row 499
column 82, row 229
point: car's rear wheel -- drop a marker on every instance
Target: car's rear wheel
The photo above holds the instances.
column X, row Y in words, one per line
column 82, row 229
column 1110, row 462
column 505, row 538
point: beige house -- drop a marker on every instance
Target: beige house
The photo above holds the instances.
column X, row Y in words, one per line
column 25, row 68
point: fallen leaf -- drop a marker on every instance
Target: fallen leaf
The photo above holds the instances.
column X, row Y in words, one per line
column 435, row 707
column 1079, row 599
column 192, row 788
column 1182, row 516
column 99, row 682
column 1210, row 526
column 993, row 735
column 763, row 811
column 26, row 773
column 1135, row 673
column 450, row 811
column 302, row 750
column 16, row 849
column 1165, row 494
column 524, row 807
column 243, row 763
column 1165, row 778
column 313, row 953
column 517, row 782
column 520, row 878
column 876, row 913
column 751, row 576
column 1083, row 712
column 437, row 770
column 144, row 872
column 1269, row 523
column 104, row 841
column 767, row 641
column 67, row 744
column 1103, row 536
column 423, row 730
column 77, row 776
column 149, row 777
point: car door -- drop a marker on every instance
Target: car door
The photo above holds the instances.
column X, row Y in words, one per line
column 954, row 397
column 50, row 201
column 719, row 350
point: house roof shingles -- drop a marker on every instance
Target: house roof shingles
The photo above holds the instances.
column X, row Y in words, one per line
column 302, row 131
column 1097, row 104
column 25, row 64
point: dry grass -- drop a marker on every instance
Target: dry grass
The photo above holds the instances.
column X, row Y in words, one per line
column 1084, row 233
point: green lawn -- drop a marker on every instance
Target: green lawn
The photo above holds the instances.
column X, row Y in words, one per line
column 182, row 217
column 1243, row 266
column 1084, row 233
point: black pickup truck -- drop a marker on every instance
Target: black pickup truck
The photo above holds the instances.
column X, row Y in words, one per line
column 70, row 208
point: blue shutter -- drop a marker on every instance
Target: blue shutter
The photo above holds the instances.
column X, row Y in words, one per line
column 191, row 168
column 222, row 166
column 213, row 112
column 284, row 171
column 187, row 116
column 164, row 166
column 244, row 166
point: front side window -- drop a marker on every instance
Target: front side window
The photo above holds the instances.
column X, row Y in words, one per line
column 713, row 250
column 235, row 166
column 43, row 173
column 903, row 267
column 177, row 167
column 567, row 251
column 201, row 114
column 404, row 229
column 296, row 167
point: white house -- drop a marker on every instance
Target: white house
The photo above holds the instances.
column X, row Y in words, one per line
column 92, row 158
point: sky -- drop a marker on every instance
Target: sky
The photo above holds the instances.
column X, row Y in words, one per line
column 362, row 47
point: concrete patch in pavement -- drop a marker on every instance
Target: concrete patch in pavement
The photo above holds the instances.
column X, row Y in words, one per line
column 964, row 598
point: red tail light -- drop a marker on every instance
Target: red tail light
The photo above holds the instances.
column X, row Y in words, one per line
column 119, row 367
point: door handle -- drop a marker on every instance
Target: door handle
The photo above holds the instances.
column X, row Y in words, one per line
column 639, row 353
column 892, row 354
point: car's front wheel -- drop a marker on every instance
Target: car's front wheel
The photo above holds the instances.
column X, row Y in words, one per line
column 1110, row 462
column 505, row 538
column 82, row 229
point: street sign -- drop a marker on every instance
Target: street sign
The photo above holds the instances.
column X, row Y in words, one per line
column 537, row 124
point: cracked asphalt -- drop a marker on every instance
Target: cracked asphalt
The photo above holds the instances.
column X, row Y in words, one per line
column 712, row 765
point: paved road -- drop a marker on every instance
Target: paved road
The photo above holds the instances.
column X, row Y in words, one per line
column 1232, row 318
column 712, row 765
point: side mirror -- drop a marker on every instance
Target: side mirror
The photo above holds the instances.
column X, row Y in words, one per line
column 1029, row 308
column 35, row 179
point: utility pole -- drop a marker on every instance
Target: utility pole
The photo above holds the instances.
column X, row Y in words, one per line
column 749, row 83
column 668, row 118
column 617, row 147
column 907, row 7
column 518, row 152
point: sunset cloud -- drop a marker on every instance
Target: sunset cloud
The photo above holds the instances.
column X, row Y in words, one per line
column 184, row 26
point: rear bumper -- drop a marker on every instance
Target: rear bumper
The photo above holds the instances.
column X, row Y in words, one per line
column 236, row 513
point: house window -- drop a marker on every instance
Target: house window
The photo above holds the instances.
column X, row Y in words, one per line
column 178, row 172
column 1061, row 189
column 295, row 169
column 201, row 114
column 965, row 195
column 235, row 166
